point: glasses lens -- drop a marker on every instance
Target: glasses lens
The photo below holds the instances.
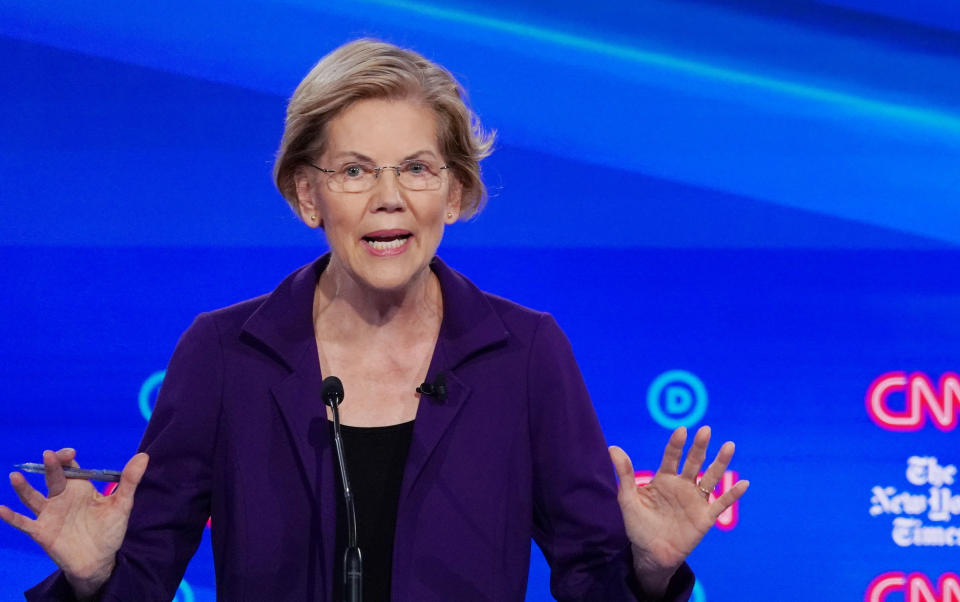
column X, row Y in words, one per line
column 361, row 184
column 419, row 175
column 352, row 178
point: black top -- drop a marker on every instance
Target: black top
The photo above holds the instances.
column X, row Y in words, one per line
column 375, row 459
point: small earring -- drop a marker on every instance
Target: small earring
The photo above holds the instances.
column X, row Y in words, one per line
column 313, row 218
column 449, row 215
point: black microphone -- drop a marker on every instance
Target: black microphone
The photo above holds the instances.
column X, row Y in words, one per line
column 437, row 389
column 332, row 393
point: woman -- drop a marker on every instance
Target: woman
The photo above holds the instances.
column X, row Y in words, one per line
column 380, row 152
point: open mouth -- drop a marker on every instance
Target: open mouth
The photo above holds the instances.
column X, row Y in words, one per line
column 387, row 242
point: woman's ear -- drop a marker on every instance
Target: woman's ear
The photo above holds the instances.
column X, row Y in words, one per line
column 307, row 204
column 452, row 212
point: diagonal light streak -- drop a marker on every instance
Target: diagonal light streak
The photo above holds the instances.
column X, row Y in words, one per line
column 887, row 110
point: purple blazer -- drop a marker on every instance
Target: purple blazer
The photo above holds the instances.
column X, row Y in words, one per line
column 239, row 433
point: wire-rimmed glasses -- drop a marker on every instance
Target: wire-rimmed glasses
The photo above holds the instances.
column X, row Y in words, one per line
column 417, row 175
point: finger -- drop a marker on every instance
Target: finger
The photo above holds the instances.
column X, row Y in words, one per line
column 67, row 457
column 727, row 499
column 719, row 465
column 673, row 452
column 53, row 474
column 623, row 465
column 30, row 497
column 697, row 453
column 17, row 520
column 130, row 478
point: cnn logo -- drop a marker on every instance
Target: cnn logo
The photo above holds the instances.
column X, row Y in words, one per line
column 914, row 398
column 915, row 587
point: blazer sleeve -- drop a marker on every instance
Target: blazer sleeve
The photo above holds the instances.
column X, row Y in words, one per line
column 172, row 502
column 577, row 520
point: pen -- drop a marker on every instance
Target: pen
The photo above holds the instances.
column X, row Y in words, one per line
column 74, row 473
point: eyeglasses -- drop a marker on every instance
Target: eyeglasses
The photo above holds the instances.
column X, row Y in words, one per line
column 360, row 177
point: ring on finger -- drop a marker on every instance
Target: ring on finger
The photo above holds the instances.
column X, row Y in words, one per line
column 705, row 492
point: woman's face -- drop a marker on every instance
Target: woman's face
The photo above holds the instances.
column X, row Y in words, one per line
column 385, row 237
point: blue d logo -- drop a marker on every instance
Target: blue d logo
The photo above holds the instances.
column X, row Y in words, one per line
column 677, row 398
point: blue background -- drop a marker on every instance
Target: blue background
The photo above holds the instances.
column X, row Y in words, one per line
column 764, row 194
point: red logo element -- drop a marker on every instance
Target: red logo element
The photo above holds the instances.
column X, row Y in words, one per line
column 729, row 518
column 916, row 587
column 921, row 398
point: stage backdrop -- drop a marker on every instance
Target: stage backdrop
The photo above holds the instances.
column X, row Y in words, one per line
column 743, row 213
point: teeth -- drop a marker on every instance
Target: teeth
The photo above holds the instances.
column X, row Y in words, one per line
column 383, row 245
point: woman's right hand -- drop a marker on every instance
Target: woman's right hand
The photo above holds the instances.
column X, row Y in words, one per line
column 80, row 529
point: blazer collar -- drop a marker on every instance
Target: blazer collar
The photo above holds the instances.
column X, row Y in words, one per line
column 470, row 324
column 284, row 322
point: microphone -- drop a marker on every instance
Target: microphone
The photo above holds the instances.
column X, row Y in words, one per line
column 437, row 389
column 332, row 393
column 331, row 390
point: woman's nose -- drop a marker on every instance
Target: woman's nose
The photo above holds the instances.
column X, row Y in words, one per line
column 388, row 194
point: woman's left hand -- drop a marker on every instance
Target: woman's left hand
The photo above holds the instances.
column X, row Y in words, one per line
column 667, row 518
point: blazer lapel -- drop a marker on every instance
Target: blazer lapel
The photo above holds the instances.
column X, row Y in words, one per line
column 470, row 325
column 299, row 400
column 434, row 417
column 284, row 325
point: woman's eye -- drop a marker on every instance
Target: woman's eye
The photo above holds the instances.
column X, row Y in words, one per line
column 353, row 171
column 417, row 168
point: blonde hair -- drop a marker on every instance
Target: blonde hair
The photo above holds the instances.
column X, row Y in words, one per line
column 365, row 69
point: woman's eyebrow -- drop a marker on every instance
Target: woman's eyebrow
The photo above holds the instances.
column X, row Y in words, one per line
column 354, row 154
column 419, row 153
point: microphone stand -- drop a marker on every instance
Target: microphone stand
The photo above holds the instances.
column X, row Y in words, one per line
column 352, row 562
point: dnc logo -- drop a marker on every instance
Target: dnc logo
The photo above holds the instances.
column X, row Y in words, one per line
column 677, row 398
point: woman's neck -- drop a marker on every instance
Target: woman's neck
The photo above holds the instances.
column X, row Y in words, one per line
column 345, row 308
